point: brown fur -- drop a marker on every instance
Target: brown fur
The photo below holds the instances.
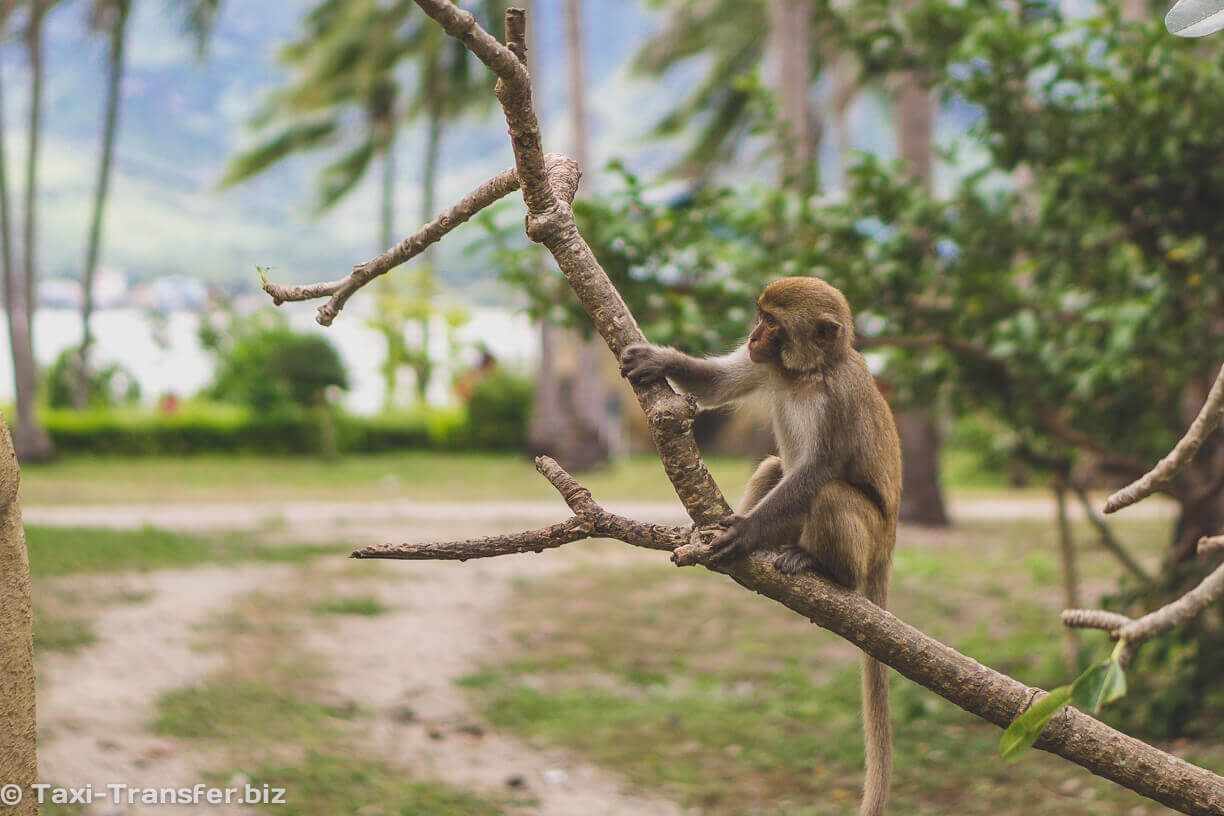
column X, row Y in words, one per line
column 831, row 498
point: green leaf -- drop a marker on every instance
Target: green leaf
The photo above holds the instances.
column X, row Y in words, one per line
column 1026, row 728
column 1102, row 683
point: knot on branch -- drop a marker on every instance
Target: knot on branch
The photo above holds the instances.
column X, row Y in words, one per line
column 674, row 416
column 544, row 225
column 693, row 552
column 564, row 174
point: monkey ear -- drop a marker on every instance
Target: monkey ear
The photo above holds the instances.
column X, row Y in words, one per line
column 827, row 330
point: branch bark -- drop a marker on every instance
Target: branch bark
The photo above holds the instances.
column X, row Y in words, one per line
column 960, row 679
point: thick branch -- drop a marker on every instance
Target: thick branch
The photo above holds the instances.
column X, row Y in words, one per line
column 550, row 221
column 1208, row 420
column 977, row 689
column 340, row 291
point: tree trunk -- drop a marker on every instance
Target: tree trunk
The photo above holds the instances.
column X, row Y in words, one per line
column 29, row 438
column 1071, row 597
column 790, row 26
column 845, row 88
column 921, row 498
column 118, row 39
column 18, row 757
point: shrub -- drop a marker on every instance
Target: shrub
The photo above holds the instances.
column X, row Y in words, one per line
column 498, row 412
column 264, row 364
column 111, row 384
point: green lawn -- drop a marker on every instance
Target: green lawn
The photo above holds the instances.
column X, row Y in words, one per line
column 68, row 550
column 402, row 475
column 408, row 475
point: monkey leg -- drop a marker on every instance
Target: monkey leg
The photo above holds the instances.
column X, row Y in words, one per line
column 842, row 530
column 767, row 474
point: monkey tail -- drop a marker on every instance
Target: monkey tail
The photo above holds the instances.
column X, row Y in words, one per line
column 877, row 729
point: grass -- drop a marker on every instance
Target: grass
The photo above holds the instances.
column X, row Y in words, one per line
column 336, row 783
column 408, row 475
column 56, row 551
column 240, row 711
column 731, row 704
column 364, row 605
column 55, row 631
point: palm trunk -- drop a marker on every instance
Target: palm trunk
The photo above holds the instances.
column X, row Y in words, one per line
column 921, row 497
column 29, row 439
column 118, row 40
column 790, row 24
column 18, row 752
column 590, row 393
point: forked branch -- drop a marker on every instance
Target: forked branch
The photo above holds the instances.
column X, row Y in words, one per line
column 976, row 688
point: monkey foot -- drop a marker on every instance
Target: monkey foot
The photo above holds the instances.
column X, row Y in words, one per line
column 792, row 560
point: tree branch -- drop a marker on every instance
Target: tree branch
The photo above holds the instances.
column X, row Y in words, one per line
column 977, row 689
column 1208, row 420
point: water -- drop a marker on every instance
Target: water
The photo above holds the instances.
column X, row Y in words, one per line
column 167, row 358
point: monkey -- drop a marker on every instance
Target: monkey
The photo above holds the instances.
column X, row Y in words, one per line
column 831, row 496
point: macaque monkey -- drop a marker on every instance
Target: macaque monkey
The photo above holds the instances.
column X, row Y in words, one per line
column 829, row 500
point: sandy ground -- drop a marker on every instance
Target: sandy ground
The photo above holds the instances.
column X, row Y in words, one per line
column 96, row 705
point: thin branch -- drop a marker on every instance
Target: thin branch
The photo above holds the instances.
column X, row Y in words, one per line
column 1211, row 544
column 589, row 521
column 1208, row 420
column 340, row 291
column 1108, row 540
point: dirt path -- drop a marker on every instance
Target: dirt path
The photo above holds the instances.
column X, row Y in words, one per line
column 96, row 705
column 249, row 515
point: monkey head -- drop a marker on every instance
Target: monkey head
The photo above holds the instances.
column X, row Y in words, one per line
column 804, row 324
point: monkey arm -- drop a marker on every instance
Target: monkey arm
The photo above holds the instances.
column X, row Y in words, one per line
column 712, row 381
column 777, row 514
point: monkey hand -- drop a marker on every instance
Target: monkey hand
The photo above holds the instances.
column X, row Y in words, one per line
column 741, row 537
column 643, row 363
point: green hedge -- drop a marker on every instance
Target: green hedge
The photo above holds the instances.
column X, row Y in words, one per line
column 224, row 429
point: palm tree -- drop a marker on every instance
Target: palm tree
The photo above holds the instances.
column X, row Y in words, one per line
column 29, row 438
column 111, row 18
column 730, row 40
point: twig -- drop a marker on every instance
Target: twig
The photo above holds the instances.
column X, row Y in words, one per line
column 340, row 291
column 1208, row 420
column 1137, row 631
column 589, row 521
column 1211, row 544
